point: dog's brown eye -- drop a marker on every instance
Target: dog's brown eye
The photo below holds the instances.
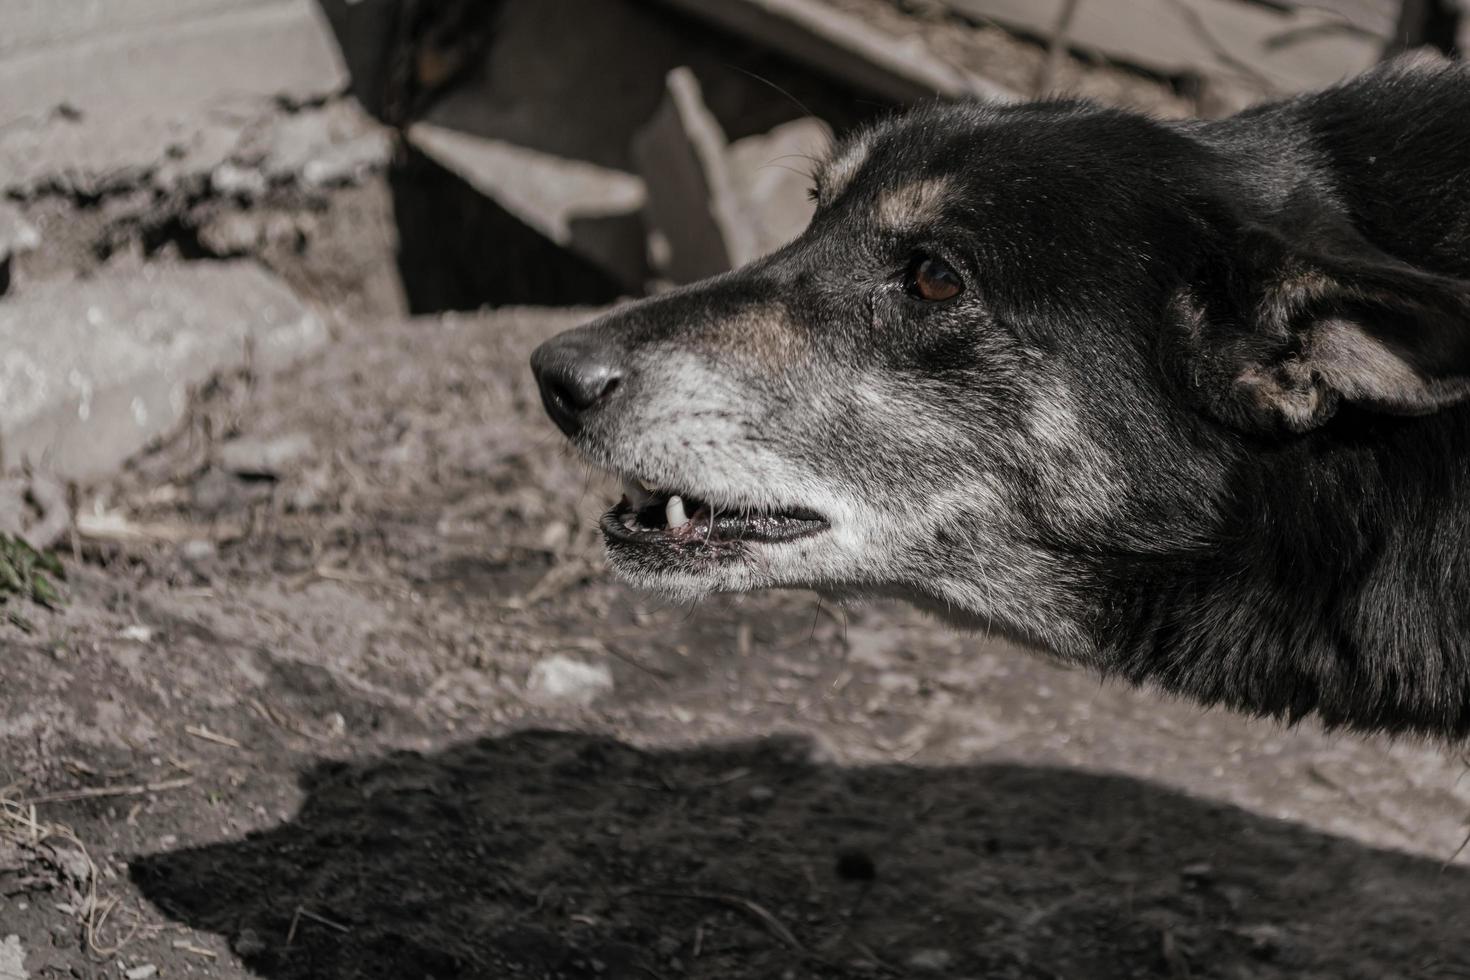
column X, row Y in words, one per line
column 932, row 280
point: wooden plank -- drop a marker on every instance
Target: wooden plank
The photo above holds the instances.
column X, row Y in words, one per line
column 1286, row 51
column 902, row 69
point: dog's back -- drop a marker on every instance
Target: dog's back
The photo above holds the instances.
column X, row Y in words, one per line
column 1392, row 147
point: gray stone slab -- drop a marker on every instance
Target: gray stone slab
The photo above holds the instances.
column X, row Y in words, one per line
column 92, row 371
column 266, row 47
column 713, row 205
column 574, row 203
column 33, row 24
column 1285, row 50
column 117, row 97
column 693, row 198
column 816, row 34
column 774, row 174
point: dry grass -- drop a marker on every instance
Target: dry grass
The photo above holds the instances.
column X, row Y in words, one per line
column 53, row 850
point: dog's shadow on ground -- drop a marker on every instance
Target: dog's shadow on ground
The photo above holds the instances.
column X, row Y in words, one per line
column 556, row 855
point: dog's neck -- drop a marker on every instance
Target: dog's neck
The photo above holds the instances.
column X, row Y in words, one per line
column 1339, row 585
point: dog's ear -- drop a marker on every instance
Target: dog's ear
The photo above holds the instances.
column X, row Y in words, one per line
column 1276, row 336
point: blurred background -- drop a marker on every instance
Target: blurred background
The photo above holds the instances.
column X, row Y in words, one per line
column 309, row 666
column 391, row 156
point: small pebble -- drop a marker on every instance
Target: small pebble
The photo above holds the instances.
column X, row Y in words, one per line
column 564, row 680
column 236, row 181
column 1199, row 872
column 931, row 959
column 266, row 458
column 198, row 549
column 248, row 943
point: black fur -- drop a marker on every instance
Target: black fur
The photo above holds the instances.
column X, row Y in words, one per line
column 1256, row 332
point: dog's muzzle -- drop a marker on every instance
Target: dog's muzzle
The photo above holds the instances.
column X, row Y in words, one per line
column 674, row 514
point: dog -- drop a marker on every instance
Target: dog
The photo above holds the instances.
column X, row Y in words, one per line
column 1183, row 402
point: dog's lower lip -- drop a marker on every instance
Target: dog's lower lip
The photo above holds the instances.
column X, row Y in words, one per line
column 705, row 527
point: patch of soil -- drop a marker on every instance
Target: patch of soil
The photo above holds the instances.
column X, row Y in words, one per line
column 290, row 715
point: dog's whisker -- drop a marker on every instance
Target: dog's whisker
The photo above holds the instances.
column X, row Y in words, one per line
column 778, row 89
column 779, row 166
column 714, row 514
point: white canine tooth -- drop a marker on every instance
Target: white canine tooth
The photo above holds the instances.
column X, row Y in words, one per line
column 674, row 511
column 637, row 496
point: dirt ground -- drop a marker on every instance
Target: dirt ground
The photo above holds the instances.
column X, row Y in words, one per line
column 342, row 691
column 296, row 723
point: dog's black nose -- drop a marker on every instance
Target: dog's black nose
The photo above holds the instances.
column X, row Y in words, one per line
column 575, row 375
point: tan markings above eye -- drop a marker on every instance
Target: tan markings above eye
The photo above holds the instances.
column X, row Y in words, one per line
column 932, row 280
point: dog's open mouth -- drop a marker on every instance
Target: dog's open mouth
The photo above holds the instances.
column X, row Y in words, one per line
column 657, row 518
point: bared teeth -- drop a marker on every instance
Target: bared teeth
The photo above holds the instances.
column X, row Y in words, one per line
column 674, row 511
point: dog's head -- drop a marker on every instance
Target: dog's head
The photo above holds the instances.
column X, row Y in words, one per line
column 1013, row 341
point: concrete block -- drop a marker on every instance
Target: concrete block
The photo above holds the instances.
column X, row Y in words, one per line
column 549, row 139
column 693, row 199
column 823, row 37
column 773, row 172
column 712, row 205
column 34, row 24
column 590, row 210
column 116, row 93
column 93, row 371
